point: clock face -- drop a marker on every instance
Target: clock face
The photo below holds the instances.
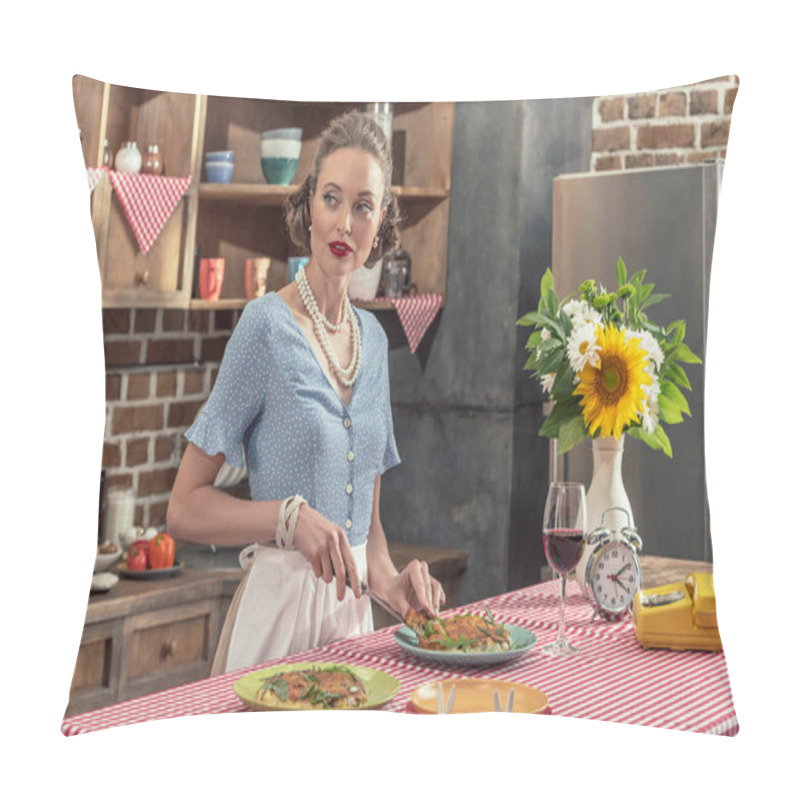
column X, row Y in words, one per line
column 614, row 578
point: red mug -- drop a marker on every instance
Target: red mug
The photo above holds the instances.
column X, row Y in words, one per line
column 212, row 271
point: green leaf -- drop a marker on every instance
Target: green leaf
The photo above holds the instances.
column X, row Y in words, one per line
column 550, row 344
column 551, row 362
column 657, row 440
column 570, row 433
column 679, row 328
column 564, row 383
column 527, row 319
column 547, row 282
column 677, row 374
column 622, row 272
column 652, row 299
column 669, row 410
column 683, row 353
column 551, row 302
column 533, row 340
column 533, row 360
column 675, row 395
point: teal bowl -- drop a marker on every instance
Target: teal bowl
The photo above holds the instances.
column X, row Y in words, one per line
column 279, row 170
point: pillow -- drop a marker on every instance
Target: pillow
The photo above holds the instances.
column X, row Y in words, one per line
column 155, row 385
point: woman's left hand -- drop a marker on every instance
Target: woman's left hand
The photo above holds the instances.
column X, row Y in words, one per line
column 414, row 586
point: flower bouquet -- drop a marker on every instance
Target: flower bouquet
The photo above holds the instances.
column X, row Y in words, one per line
column 606, row 367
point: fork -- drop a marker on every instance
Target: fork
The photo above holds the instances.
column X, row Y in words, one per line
column 451, row 697
column 509, row 702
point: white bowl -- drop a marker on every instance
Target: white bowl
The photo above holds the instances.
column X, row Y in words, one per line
column 280, row 148
column 103, row 561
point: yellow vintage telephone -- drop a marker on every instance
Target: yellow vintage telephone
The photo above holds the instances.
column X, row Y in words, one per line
column 678, row 616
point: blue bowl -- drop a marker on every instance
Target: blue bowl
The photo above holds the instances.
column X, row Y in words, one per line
column 279, row 171
column 220, row 155
column 218, row 172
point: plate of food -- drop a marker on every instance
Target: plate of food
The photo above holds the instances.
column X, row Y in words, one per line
column 472, row 695
column 463, row 639
column 316, row 686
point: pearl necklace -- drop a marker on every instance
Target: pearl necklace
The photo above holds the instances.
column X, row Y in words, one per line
column 345, row 375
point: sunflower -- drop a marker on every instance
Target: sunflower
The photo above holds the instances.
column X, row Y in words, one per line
column 612, row 393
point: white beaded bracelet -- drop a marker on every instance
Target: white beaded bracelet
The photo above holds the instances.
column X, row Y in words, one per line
column 287, row 520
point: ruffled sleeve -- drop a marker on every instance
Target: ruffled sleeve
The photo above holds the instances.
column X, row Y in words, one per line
column 240, row 389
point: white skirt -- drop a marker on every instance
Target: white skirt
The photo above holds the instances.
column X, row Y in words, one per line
column 281, row 607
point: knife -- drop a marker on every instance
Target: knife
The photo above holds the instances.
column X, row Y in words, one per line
column 379, row 601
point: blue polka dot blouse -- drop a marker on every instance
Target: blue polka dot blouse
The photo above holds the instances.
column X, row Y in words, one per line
column 272, row 401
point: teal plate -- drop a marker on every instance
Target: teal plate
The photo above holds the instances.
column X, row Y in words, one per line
column 522, row 641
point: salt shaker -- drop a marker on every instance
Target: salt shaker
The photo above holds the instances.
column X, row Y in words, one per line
column 128, row 158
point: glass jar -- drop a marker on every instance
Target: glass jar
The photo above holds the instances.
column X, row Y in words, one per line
column 153, row 164
column 128, row 158
column 382, row 114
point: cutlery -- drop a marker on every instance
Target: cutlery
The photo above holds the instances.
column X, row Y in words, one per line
column 443, row 708
column 379, row 601
column 509, row 702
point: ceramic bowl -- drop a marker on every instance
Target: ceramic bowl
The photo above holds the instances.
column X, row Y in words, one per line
column 218, row 172
column 220, row 155
column 103, row 561
column 280, row 151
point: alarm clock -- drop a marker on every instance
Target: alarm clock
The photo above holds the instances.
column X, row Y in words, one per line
column 613, row 571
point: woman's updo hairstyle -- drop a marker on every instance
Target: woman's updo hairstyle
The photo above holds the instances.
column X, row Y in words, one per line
column 357, row 130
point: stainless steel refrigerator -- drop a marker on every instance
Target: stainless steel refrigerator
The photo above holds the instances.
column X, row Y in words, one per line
column 662, row 220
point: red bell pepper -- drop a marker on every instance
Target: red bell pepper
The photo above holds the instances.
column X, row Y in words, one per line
column 137, row 557
column 162, row 551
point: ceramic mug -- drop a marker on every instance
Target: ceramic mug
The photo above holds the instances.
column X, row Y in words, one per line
column 255, row 277
column 212, row 271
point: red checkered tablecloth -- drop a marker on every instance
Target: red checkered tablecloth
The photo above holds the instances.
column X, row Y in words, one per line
column 416, row 313
column 613, row 680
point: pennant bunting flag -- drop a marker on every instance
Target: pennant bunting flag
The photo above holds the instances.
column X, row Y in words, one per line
column 416, row 314
column 148, row 201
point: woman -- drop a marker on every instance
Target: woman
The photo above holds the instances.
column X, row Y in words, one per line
column 304, row 389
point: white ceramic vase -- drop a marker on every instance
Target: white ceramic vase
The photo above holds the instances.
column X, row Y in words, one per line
column 605, row 491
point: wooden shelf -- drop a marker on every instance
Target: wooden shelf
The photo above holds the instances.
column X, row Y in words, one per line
column 224, row 303
column 269, row 195
column 379, row 304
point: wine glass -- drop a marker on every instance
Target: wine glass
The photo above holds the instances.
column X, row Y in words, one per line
column 564, row 534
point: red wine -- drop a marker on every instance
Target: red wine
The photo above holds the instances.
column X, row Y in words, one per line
column 563, row 548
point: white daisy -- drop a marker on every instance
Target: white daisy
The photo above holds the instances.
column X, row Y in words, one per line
column 580, row 312
column 648, row 342
column 582, row 347
column 547, row 382
column 649, row 417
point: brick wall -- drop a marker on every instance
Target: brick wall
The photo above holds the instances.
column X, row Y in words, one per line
column 160, row 367
column 675, row 126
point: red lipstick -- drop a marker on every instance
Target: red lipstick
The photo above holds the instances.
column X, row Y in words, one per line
column 340, row 249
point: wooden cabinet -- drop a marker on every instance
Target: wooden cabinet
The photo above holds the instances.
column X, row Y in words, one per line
column 244, row 219
column 149, row 636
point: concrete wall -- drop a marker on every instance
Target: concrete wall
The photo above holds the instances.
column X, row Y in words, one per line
column 474, row 472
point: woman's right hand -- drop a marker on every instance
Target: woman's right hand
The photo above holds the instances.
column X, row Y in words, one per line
column 325, row 547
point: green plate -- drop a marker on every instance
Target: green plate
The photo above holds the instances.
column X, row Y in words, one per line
column 522, row 641
column 380, row 687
